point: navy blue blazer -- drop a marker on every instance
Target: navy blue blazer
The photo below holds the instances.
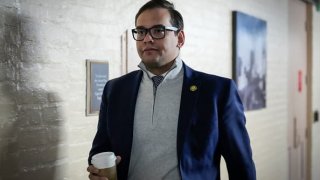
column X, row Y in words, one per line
column 211, row 123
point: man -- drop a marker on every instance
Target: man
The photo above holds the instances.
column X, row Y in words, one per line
column 168, row 121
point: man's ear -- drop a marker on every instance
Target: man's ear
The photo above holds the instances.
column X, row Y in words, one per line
column 181, row 39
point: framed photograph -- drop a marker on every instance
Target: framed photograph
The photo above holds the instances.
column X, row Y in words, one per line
column 129, row 55
column 249, row 59
column 97, row 76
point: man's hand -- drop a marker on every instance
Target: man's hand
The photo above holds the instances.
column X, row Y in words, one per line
column 94, row 171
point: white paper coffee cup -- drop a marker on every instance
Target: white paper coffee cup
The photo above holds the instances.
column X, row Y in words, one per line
column 106, row 162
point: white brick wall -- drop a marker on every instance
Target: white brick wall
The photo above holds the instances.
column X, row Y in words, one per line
column 208, row 48
column 43, row 48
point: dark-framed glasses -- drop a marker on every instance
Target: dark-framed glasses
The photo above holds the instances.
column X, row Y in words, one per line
column 156, row 32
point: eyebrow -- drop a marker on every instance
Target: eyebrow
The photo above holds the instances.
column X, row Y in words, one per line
column 157, row 25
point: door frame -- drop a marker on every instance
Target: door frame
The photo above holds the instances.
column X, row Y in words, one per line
column 309, row 78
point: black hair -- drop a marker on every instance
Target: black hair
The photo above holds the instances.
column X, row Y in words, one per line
column 176, row 17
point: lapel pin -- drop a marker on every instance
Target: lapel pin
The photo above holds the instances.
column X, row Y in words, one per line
column 193, row 88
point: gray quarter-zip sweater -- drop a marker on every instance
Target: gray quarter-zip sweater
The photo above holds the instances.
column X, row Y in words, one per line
column 154, row 146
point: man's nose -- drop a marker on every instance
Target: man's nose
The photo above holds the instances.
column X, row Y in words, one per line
column 148, row 38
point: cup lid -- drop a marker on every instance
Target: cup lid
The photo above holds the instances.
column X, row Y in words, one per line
column 103, row 160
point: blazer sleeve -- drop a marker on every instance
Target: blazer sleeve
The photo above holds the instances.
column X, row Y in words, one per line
column 234, row 138
column 101, row 142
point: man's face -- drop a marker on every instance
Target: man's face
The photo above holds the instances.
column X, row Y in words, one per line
column 158, row 53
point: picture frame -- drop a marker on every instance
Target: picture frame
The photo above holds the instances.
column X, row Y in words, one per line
column 129, row 55
column 97, row 76
column 250, row 59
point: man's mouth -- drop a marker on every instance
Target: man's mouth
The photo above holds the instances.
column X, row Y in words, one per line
column 149, row 49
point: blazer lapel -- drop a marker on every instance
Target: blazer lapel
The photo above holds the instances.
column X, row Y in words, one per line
column 188, row 99
column 131, row 99
column 133, row 94
column 124, row 143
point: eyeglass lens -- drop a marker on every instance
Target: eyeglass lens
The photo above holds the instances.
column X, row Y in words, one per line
column 155, row 32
